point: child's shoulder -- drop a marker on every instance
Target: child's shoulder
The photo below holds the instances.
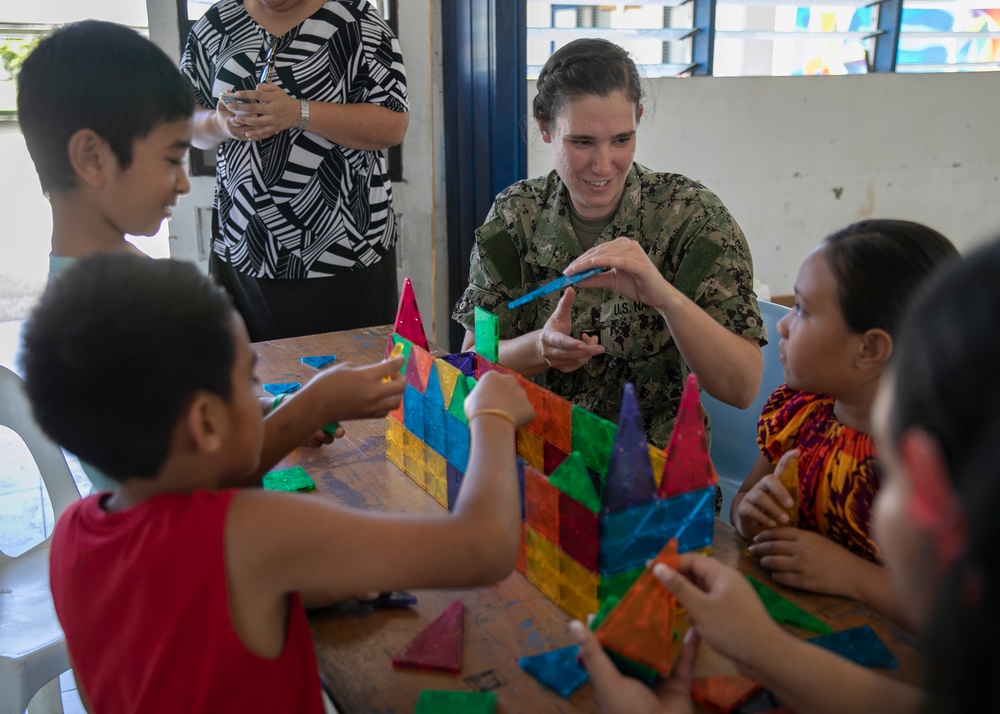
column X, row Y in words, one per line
column 786, row 403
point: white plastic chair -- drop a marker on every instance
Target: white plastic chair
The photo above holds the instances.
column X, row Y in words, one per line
column 32, row 647
column 734, row 431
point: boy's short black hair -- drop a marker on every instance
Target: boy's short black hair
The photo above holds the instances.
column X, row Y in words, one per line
column 115, row 350
column 95, row 75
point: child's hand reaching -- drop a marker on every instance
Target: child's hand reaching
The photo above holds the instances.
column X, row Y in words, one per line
column 617, row 693
column 772, row 501
column 495, row 391
column 346, row 391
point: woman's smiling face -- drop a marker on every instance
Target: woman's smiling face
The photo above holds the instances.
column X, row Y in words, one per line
column 593, row 144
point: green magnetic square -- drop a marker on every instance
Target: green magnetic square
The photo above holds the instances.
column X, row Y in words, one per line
column 594, row 438
column 293, row 479
column 616, row 585
column 433, row 701
column 487, row 334
column 457, row 406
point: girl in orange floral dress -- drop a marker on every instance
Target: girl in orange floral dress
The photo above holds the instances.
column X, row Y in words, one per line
column 849, row 296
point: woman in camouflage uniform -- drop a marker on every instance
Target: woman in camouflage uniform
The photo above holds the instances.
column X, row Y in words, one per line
column 678, row 293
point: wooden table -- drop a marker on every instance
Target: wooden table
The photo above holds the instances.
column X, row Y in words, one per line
column 355, row 644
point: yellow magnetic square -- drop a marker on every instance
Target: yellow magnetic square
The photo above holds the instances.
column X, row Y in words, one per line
column 448, row 375
column 531, row 448
column 541, row 563
column 437, row 486
column 413, row 457
column 435, row 466
column 394, row 442
column 574, row 576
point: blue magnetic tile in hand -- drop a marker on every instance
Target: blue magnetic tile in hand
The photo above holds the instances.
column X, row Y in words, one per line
column 282, row 388
column 860, row 645
column 552, row 286
column 557, row 669
column 318, row 361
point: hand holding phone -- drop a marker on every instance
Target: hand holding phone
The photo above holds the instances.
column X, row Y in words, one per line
column 236, row 104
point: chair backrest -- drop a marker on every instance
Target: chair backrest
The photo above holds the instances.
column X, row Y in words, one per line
column 734, row 431
column 15, row 413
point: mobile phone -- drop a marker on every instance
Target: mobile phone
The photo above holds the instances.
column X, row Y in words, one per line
column 231, row 98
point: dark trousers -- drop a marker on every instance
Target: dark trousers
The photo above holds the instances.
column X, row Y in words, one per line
column 274, row 309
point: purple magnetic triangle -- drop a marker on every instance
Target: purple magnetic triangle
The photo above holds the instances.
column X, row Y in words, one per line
column 439, row 646
column 630, row 474
column 465, row 362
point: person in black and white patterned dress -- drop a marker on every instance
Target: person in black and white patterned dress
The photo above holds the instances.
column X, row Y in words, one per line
column 304, row 229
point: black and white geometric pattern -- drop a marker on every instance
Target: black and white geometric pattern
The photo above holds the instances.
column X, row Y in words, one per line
column 296, row 205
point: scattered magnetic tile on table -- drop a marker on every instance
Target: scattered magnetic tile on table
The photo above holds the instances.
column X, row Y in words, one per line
column 318, row 361
column 723, row 694
column 433, row 701
column 786, row 612
column 293, row 479
column 558, row 670
column 438, row 646
column 282, row 387
column 860, row 645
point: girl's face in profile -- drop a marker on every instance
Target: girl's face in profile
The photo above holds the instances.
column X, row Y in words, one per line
column 906, row 548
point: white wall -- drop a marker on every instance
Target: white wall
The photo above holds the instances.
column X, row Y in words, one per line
column 795, row 158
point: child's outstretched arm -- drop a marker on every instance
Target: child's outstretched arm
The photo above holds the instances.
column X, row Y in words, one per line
column 729, row 616
column 762, row 501
column 810, row 561
column 280, row 543
column 338, row 393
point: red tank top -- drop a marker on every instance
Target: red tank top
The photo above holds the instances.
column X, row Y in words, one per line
column 142, row 597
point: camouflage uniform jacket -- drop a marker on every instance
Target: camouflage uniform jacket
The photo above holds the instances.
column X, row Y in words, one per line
column 690, row 236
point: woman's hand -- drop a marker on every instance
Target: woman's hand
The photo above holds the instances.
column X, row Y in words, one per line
column 557, row 346
column 275, row 111
column 631, row 275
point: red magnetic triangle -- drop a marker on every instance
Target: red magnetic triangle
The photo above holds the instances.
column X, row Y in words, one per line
column 408, row 323
column 723, row 694
column 688, row 466
column 439, row 646
column 641, row 627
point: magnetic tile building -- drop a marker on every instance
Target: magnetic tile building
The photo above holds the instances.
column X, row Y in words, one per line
column 598, row 501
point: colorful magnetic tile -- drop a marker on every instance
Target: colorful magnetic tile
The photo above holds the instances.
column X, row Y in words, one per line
column 413, row 410
column 616, row 585
column 552, row 457
column 786, row 612
column 688, row 465
column 457, row 442
column 437, row 487
column 690, row 518
column 433, row 701
column 723, row 694
column 579, row 532
column 541, row 563
column 558, row 424
column 530, row 447
column 552, row 286
column 578, row 588
column 282, row 387
column 573, row 479
column 860, row 645
column 434, row 428
column 643, row 621
column 593, row 437
column 448, row 375
column 417, row 367
column 541, row 504
column 408, row 322
column 658, row 460
column 439, row 646
column 435, row 470
column 391, row 349
column 464, row 362
column 318, row 361
column 536, row 395
column 293, row 479
column 414, row 458
column 453, row 478
column 394, row 443
column 630, row 474
column 558, row 670
column 483, row 366
column 456, row 407
column 487, row 329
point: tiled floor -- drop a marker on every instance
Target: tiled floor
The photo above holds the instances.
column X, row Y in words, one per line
column 25, row 512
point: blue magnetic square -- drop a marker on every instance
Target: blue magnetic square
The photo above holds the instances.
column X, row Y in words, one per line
column 860, row 645
column 318, row 361
column 282, row 387
column 558, row 670
column 630, row 537
column 434, row 428
column 457, row 446
column 689, row 518
column 413, row 411
column 454, row 483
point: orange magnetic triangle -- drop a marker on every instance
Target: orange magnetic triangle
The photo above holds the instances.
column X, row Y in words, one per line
column 688, row 466
column 641, row 627
column 439, row 646
column 418, row 369
column 723, row 694
column 408, row 323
